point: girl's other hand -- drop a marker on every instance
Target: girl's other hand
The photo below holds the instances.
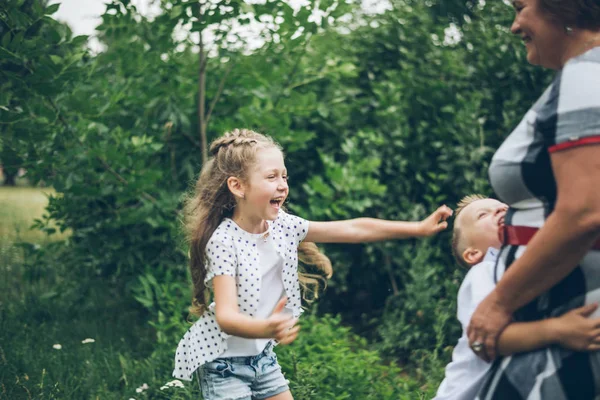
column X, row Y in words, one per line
column 575, row 331
column 280, row 326
column 436, row 222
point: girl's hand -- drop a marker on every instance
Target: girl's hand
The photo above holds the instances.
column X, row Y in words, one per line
column 436, row 222
column 282, row 327
column 575, row 331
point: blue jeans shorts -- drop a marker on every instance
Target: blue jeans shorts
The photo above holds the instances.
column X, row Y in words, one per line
column 243, row 378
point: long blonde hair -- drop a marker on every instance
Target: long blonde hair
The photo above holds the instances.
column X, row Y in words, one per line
column 232, row 155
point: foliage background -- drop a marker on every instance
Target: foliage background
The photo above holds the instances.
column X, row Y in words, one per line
column 380, row 115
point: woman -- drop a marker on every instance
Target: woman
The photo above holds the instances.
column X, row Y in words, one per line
column 548, row 171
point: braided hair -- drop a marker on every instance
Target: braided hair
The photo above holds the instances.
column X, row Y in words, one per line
column 232, row 155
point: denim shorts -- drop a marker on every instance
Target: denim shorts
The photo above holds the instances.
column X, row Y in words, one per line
column 243, row 378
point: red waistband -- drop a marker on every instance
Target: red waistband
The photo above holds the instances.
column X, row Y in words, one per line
column 521, row 235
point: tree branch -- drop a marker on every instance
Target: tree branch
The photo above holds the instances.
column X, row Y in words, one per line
column 388, row 264
column 219, row 91
column 201, row 100
column 294, row 71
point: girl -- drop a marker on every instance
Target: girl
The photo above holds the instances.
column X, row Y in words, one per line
column 245, row 247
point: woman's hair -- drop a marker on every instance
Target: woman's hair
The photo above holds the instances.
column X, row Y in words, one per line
column 583, row 14
column 231, row 155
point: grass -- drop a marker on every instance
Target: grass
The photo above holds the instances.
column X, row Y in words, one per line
column 42, row 306
column 19, row 207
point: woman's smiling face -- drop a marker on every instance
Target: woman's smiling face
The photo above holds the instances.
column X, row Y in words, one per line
column 544, row 38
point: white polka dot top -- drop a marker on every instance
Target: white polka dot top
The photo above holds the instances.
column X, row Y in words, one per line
column 231, row 251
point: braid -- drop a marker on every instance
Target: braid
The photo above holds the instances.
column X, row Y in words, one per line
column 236, row 137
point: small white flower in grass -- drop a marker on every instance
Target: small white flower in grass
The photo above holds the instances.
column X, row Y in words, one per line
column 142, row 388
column 173, row 383
column 88, row 340
column 57, row 346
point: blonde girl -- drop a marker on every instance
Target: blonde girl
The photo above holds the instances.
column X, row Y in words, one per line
column 245, row 248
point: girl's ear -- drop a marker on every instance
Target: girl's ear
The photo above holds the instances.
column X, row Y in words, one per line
column 236, row 187
column 472, row 256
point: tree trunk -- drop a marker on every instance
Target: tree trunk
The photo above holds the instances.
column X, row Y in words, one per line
column 201, row 101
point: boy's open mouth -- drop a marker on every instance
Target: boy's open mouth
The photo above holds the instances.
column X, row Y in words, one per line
column 501, row 229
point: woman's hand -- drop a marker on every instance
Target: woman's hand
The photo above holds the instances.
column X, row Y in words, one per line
column 282, row 327
column 487, row 323
column 575, row 331
column 436, row 222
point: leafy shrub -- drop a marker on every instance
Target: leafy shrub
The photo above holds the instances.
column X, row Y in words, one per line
column 328, row 361
column 423, row 316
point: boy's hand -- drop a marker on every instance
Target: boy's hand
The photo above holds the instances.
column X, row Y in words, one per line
column 436, row 222
column 280, row 326
column 578, row 332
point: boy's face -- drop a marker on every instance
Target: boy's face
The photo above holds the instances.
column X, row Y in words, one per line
column 481, row 223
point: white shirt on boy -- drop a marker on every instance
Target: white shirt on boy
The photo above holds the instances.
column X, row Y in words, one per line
column 466, row 371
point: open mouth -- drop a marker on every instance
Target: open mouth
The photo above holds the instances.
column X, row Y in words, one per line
column 277, row 202
column 501, row 228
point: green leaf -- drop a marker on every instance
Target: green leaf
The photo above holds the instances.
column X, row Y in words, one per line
column 51, row 9
column 55, row 59
column 6, row 39
column 79, row 40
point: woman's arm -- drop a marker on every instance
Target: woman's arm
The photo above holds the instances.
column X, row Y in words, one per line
column 361, row 230
column 278, row 326
column 573, row 330
column 555, row 250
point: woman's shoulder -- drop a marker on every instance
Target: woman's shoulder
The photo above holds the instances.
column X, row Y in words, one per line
column 578, row 84
column 591, row 56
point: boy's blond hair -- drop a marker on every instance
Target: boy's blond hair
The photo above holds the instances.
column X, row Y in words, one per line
column 458, row 247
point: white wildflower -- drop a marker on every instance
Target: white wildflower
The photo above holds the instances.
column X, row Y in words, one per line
column 57, row 346
column 88, row 340
column 142, row 388
column 173, row 383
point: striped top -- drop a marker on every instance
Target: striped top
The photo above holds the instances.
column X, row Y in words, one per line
column 566, row 115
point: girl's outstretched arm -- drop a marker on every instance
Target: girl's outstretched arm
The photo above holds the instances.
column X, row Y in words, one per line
column 279, row 326
column 361, row 230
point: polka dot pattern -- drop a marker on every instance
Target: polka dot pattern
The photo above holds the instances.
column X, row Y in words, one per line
column 231, row 251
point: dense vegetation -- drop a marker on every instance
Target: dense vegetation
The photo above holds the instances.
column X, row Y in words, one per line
column 385, row 115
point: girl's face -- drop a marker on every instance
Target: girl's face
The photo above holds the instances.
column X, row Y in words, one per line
column 267, row 187
column 544, row 39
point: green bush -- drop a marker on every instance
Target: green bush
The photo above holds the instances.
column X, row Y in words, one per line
column 328, row 361
column 423, row 316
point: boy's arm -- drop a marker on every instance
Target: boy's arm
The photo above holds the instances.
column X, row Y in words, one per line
column 520, row 337
column 362, row 230
column 573, row 330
